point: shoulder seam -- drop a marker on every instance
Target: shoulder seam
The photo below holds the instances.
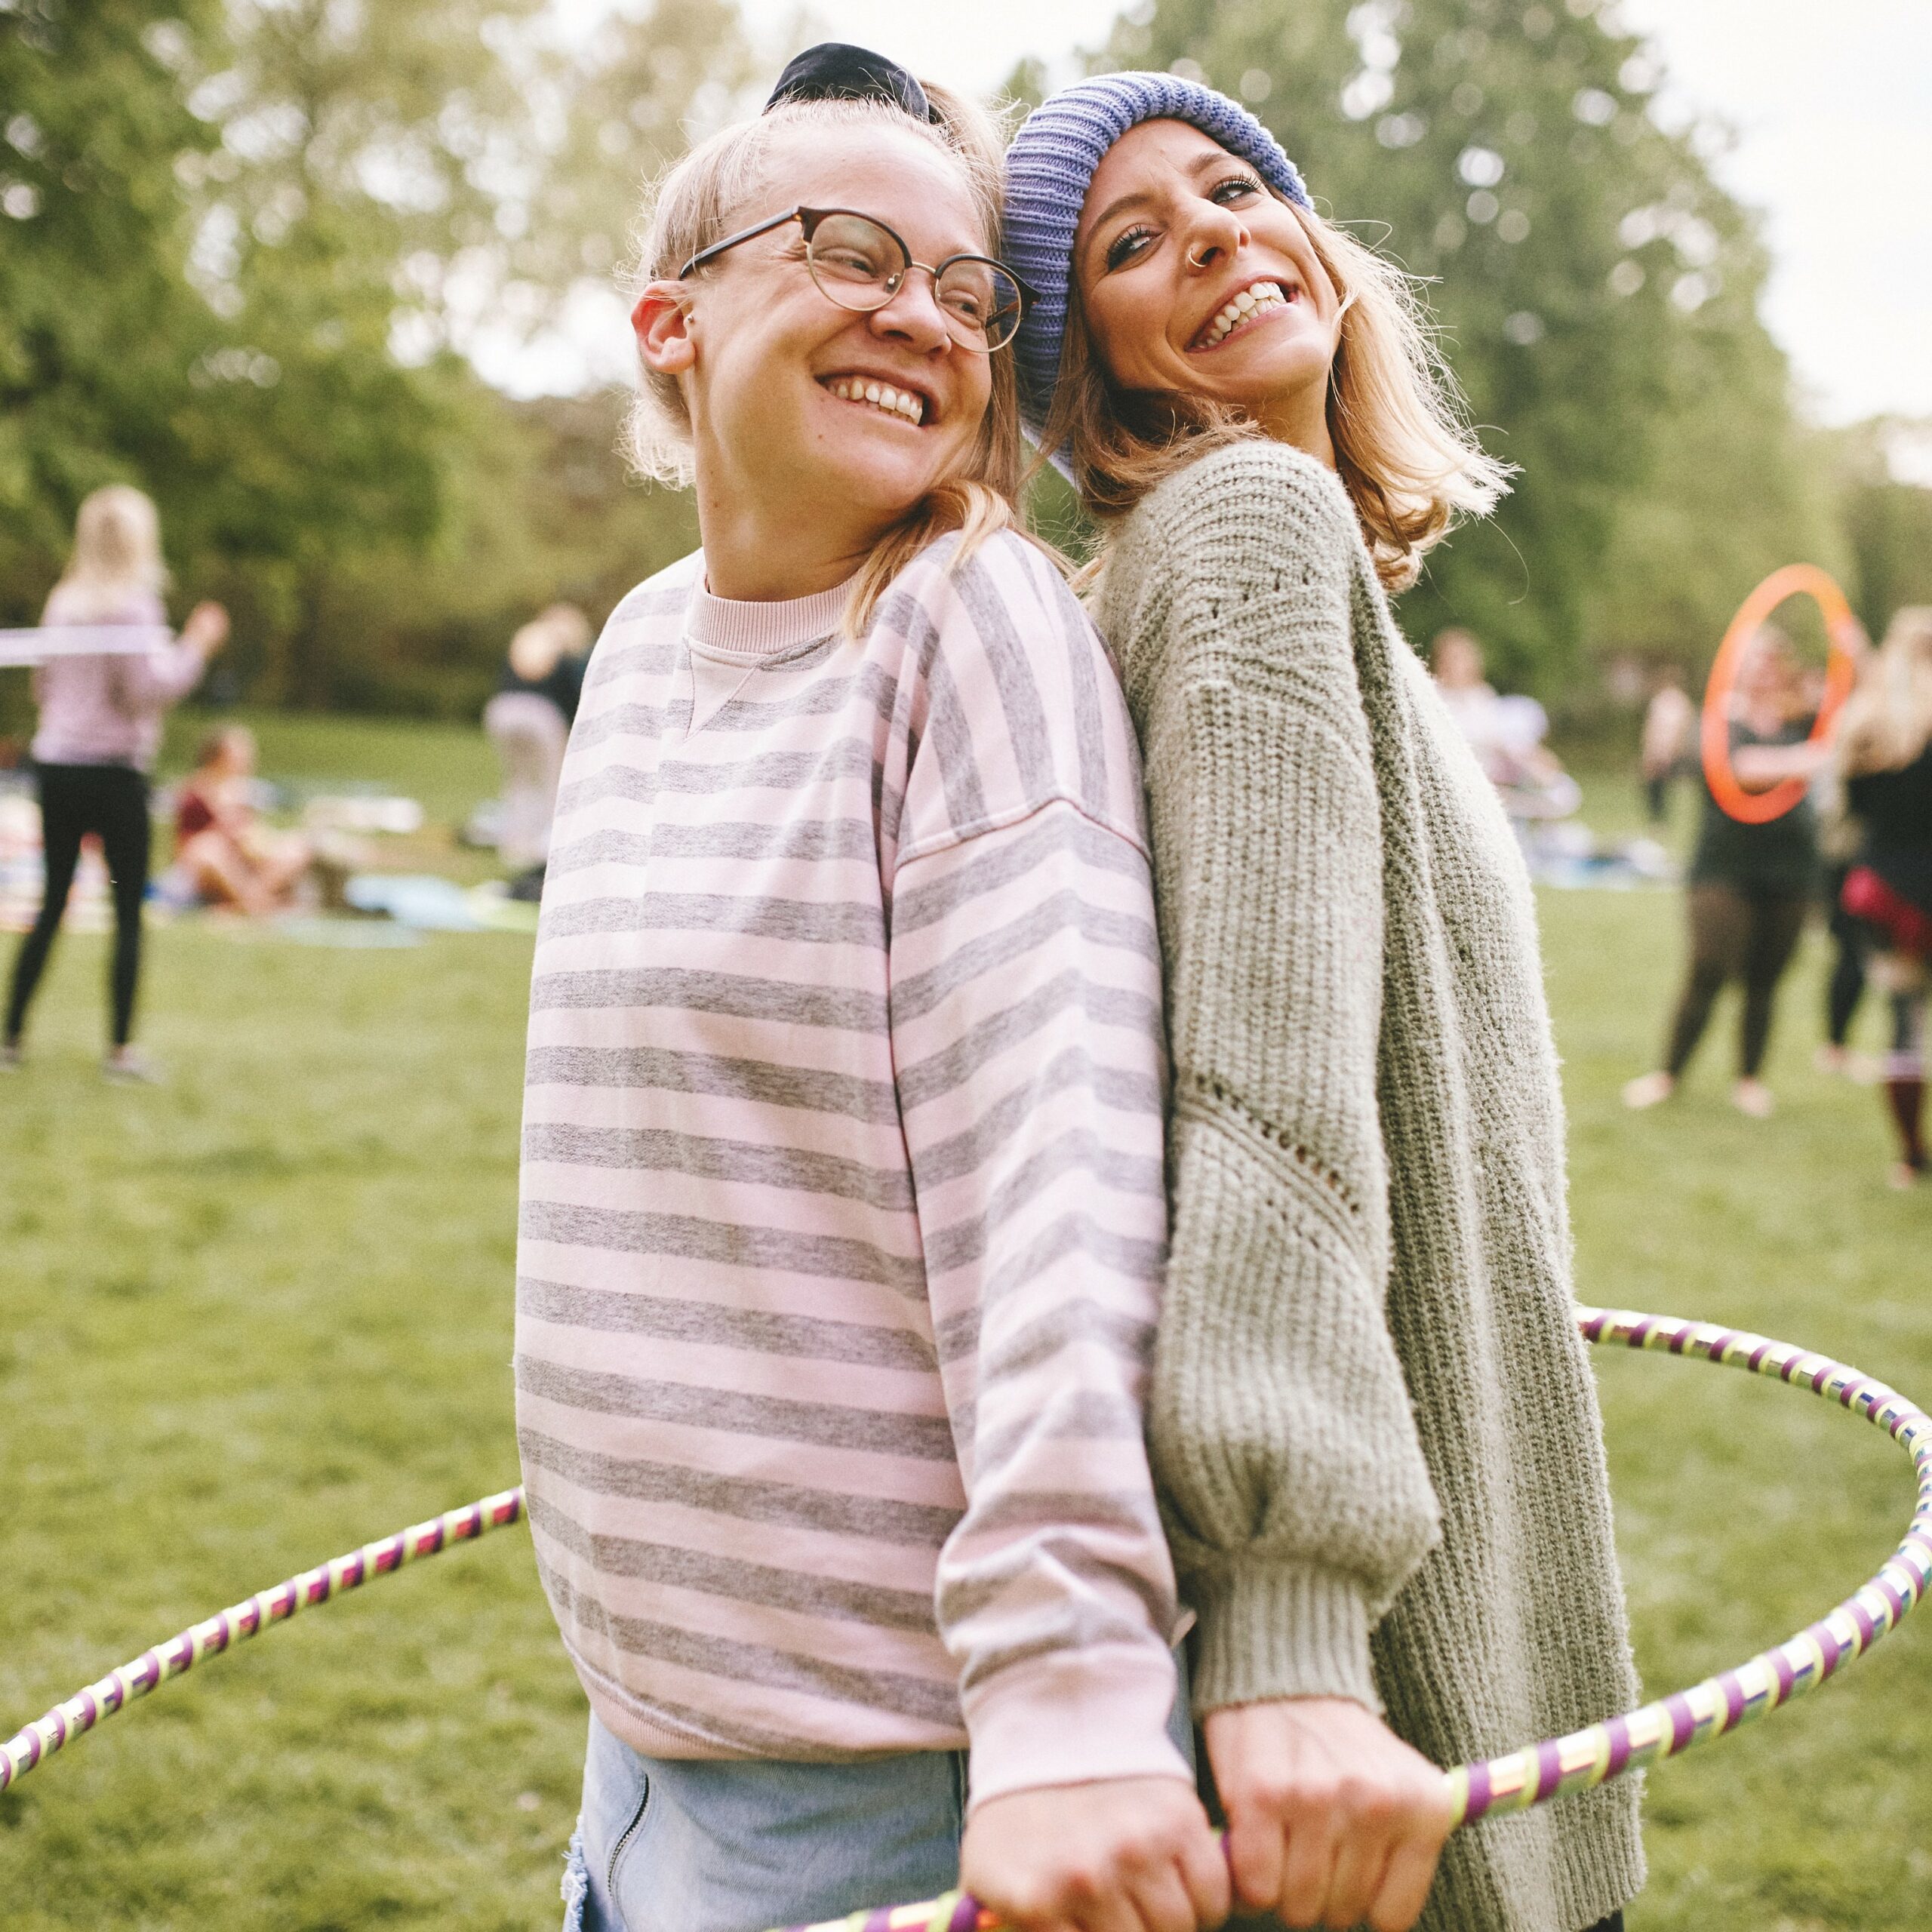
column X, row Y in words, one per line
column 963, row 835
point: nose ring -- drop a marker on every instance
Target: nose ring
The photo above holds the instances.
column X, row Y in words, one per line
column 1192, row 263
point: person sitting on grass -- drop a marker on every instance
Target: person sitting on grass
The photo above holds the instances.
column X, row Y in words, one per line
column 221, row 846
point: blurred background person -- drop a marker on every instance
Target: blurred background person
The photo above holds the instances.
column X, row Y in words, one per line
column 1885, row 755
column 529, row 722
column 1750, row 886
column 100, row 727
column 1456, row 662
column 1840, row 837
column 1668, row 748
column 222, row 851
column 1507, row 735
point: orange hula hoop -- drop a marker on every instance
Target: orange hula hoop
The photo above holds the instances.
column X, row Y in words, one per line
column 1714, row 738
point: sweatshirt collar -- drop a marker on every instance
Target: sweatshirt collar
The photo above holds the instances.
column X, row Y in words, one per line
column 729, row 627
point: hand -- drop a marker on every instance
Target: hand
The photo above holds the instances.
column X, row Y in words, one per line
column 207, row 629
column 1332, row 1820
column 1126, row 1855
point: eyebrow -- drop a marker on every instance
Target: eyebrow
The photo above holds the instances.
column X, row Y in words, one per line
column 1208, row 158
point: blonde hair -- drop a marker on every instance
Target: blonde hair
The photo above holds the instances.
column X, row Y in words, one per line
column 699, row 200
column 1887, row 720
column 116, row 554
column 561, row 630
column 1403, row 444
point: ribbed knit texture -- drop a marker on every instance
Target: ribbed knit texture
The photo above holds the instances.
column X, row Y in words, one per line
column 1374, row 1429
column 1050, row 166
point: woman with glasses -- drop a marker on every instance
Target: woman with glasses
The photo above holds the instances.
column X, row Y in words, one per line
column 1373, row 1429
column 842, row 1211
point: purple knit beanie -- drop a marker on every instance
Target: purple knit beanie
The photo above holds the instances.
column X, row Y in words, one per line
column 1050, row 166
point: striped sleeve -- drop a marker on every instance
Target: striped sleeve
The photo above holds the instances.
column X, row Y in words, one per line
column 1027, row 1037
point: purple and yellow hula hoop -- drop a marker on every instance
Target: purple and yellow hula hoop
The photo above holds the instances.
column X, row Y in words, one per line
column 85, row 1708
column 1541, row 1772
column 1514, row 1782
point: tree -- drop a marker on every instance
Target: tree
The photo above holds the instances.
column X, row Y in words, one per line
column 354, row 172
column 401, row 189
column 98, row 326
column 1888, row 519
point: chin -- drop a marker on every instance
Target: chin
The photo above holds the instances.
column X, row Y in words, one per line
column 872, row 482
column 1283, row 379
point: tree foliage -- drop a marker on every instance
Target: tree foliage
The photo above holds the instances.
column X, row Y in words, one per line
column 260, row 256
column 250, row 246
column 98, row 326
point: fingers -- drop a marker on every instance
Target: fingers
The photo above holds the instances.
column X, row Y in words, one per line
column 1256, row 1848
column 1129, row 1856
column 1161, row 1898
column 1204, row 1872
column 1315, row 1841
column 1403, row 1889
column 1361, row 1855
column 1333, row 1820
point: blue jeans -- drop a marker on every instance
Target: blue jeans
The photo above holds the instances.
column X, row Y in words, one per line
column 668, row 1844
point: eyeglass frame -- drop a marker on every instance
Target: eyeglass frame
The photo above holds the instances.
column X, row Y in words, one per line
column 808, row 220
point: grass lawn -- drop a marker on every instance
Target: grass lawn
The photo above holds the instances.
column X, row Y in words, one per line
column 252, row 1319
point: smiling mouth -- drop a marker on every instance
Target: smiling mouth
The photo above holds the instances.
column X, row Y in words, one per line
column 1259, row 298
column 908, row 405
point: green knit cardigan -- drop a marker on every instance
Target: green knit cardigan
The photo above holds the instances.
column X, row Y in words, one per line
column 1374, row 1426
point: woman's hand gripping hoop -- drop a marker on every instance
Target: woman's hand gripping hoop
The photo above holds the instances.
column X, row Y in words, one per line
column 1713, row 736
column 1707, row 1710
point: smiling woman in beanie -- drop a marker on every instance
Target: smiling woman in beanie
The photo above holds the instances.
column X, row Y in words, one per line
column 1375, row 1435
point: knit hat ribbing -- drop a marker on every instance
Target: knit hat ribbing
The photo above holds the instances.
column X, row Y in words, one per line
column 1050, row 166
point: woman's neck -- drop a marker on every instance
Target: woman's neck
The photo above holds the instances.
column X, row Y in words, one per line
column 1301, row 418
column 758, row 551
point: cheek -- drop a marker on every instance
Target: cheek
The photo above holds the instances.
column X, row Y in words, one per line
column 975, row 398
column 1116, row 329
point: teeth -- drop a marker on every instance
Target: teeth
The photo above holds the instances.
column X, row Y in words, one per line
column 1249, row 301
column 906, row 403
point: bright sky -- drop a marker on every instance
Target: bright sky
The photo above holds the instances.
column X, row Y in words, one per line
column 1832, row 107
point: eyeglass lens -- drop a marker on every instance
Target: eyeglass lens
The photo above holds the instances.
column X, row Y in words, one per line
column 860, row 266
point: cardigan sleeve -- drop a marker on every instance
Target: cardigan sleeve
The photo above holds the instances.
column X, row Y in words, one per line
column 1291, row 1476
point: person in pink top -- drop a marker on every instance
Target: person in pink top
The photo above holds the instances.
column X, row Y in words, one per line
column 100, row 727
column 842, row 1213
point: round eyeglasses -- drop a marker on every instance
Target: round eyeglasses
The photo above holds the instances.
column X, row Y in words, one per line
column 861, row 264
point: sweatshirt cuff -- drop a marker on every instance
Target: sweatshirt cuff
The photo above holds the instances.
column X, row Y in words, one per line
column 1074, row 1717
column 1274, row 1629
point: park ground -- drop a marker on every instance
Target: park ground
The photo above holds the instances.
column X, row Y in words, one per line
column 258, row 1316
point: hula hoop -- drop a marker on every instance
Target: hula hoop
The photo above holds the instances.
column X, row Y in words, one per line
column 85, row 1708
column 1714, row 730
column 42, row 646
column 1512, row 1783
column 1533, row 1776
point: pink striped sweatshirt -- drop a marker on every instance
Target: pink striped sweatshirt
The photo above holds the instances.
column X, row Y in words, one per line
column 843, row 1218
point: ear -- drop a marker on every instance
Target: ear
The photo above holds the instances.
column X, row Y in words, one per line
column 662, row 322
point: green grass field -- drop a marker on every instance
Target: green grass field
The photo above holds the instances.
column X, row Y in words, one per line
column 256, row 1317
